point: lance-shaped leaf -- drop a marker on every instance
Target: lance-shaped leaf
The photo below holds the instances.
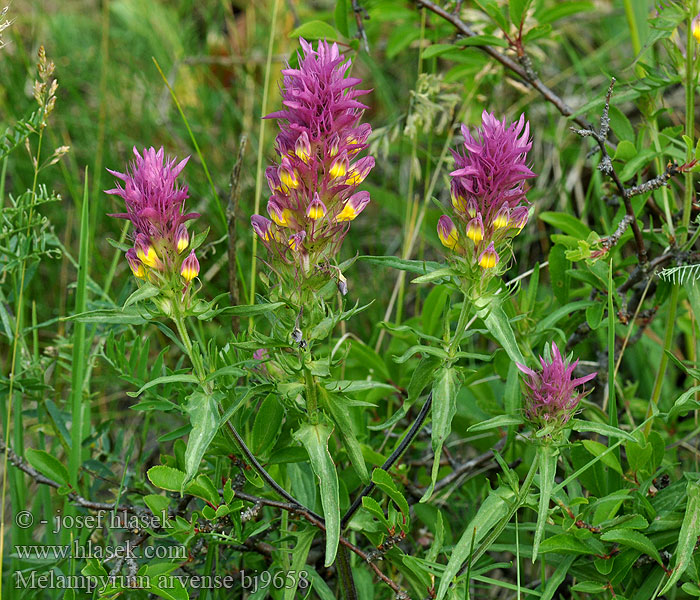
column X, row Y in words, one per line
column 687, row 537
column 547, row 457
column 494, row 508
column 444, row 408
column 204, row 416
column 341, row 416
column 315, row 439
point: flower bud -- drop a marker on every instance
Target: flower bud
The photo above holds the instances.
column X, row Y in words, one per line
column 278, row 214
column 695, row 27
column 458, row 200
column 357, row 174
column 519, row 217
column 353, row 207
column 146, row 252
column 261, row 226
column 551, row 395
column 295, row 241
column 182, row 239
column 339, row 166
column 302, row 147
column 190, row 267
column 475, row 229
column 447, row 232
column 135, row 264
column 502, row 218
column 288, row 175
column 316, row 209
column 489, row 258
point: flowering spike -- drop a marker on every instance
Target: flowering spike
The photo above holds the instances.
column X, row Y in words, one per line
column 475, row 229
column 447, row 232
column 316, row 209
column 353, row 207
column 183, row 239
column 190, row 267
column 551, row 396
column 261, row 226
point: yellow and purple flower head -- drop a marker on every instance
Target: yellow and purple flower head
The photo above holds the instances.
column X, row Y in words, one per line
column 313, row 185
column 155, row 206
column 488, row 191
column 551, row 397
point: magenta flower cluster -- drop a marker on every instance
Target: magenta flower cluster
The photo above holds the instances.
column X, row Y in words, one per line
column 313, row 186
column 488, row 190
column 551, row 396
column 155, row 206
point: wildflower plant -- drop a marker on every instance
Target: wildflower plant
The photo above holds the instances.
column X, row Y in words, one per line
column 489, row 206
column 314, row 193
column 163, row 253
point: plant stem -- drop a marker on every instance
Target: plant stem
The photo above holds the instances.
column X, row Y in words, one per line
column 687, row 206
column 261, row 144
column 311, row 396
column 461, row 325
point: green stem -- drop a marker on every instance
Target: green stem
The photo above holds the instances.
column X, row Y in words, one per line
column 687, row 205
column 613, row 476
column 311, row 396
column 461, row 325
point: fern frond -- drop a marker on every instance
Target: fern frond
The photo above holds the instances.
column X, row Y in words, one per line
column 681, row 274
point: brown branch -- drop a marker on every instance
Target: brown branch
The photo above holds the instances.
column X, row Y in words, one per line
column 526, row 74
column 231, row 212
column 295, row 509
column 606, row 167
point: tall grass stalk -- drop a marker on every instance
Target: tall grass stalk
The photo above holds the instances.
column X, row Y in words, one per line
column 19, row 310
column 78, row 425
column 261, row 146
column 687, row 206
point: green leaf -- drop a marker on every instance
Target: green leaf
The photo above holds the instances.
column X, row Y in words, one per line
column 315, row 439
column 558, row 266
column 339, row 411
column 386, row 484
column 202, row 487
column 600, row 428
column 420, row 267
column 547, row 456
column 495, row 422
column 633, row 539
column 598, row 449
column 687, row 537
column 491, row 511
column 563, row 9
column 371, row 505
column 166, row 478
column 180, row 378
column 341, row 17
column 204, row 417
column 437, row 49
column 48, row 465
column 625, row 151
column 267, row 425
column 685, row 402
column 567, row 223
column 564, row 543
column 315, row 30
column 517, row 10
column 482, row 40
column 554, row 317
column 498, row 324
column 144, row 292
column 444, row 408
